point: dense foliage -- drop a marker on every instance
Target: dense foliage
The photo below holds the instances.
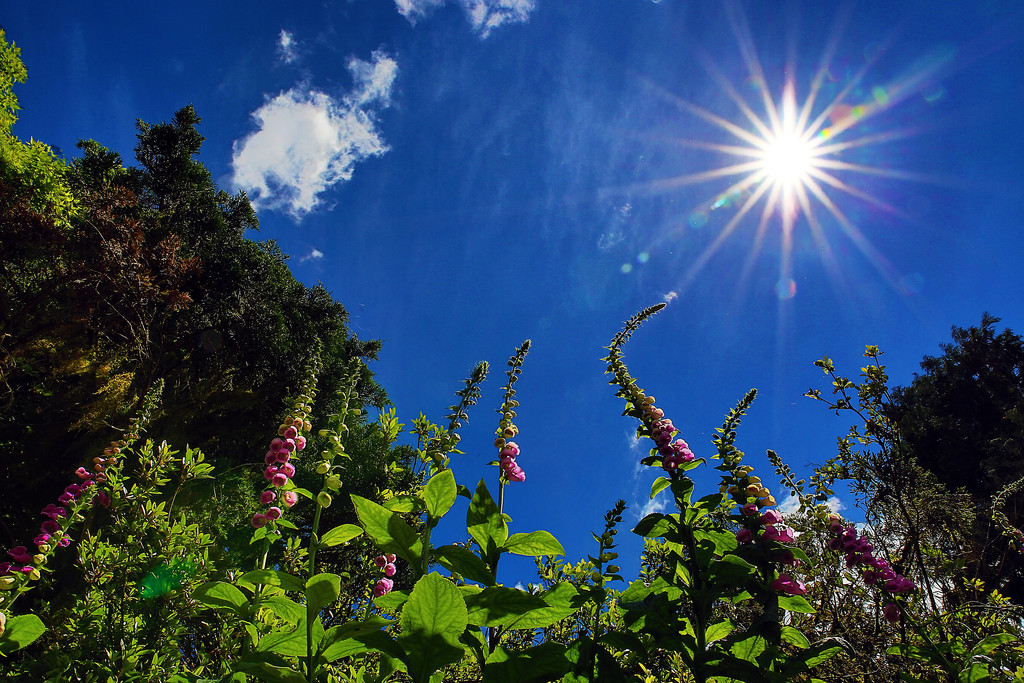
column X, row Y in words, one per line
column 145, row 338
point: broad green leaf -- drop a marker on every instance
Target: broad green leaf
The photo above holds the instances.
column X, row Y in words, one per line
column 463, row 561
column 795, row 603
column 749, row 648
column 20, row 631
column 659, row 485
column 343, row 533
column 989, row 643
column 220, row 595
column 286, row 643
column 535, row 543
column 485, row 524
column 718, row 630
column 270, row 577
column 287, row 609
column 353, row 637
column 545, row 662
column 432, row 620
column 392, row 600
column 439, row 494
column 796, row 637
column 497, row 605
column 404, row 503
column 388, row 531
column 561, row 600
column 322, row 590
column 975, row 673
column 655, row 525
column 270, row 673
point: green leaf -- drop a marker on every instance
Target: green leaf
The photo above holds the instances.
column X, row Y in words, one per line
column 535, row 543
column 392, row 600
column 287, row 609
column 655, row 525
column 795, row 603
column 546, row 662
column 975, row 673
column 352, row 638
column 485, row 524
column 388, row 531
column 270, row 577
column 989, row 643
column 562, row 600
column 659, row 485
column 404, row 503
column 496, row 605
column 221, row 595
column 343, row 533
column 265, row 671
column 463, row 561
column 286, row 643
column 718, row 630
column 432, row 621
column 439, row 494
column 322, row 590
column 796, row 637
column 20, row 631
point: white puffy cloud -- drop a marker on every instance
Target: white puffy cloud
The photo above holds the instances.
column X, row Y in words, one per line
column 791, row 504
column 307, row 141
column 287, row 47
column 313, row 254
column 483, row 15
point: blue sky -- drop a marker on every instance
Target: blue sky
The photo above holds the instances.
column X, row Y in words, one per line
column 463, row 175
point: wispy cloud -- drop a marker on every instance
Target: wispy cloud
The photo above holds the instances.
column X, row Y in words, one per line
column 670, row 297
column 658, row 504
column 314, row 254
column 287, row 47
column 483, row 15
column 307, row 141
column 791, row 504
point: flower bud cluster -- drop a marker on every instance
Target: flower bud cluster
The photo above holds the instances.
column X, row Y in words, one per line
column 278, row 460
column 673, row 453
column 52, row 532
column 386, row 563
column 875, row 571
column 508, row 450
column 507, row 461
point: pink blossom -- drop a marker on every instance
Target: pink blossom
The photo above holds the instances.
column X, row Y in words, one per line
column 276, row 445
column 510, row 450
column 270, row 458
column 287, row 469
column 282, row 456
column 380, row 560
column 744, row 535
column 290, row 498
column 892, row 613
column 383, row 587
column 389, row 569
column 782, row 534
column 273, row 513
column 279, row 480
column 771, row 517
column 102, row 498
column 259, row 520
column 64, row 542
column 65, row 498
column 749, row 510
column 267, row 497
column 5, row 568
column 269, row 473
column 49, row 527
column 300, row 443
column 788, row 585
column 391, row 558
column 291, row 433
column 899, row 584
column 20, row 554
column 289, row 445
column 83, row 473
column 41, row 539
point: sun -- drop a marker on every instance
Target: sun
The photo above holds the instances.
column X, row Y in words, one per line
column 787, row 161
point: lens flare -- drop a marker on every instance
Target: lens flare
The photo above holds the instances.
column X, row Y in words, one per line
column 797, row 158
